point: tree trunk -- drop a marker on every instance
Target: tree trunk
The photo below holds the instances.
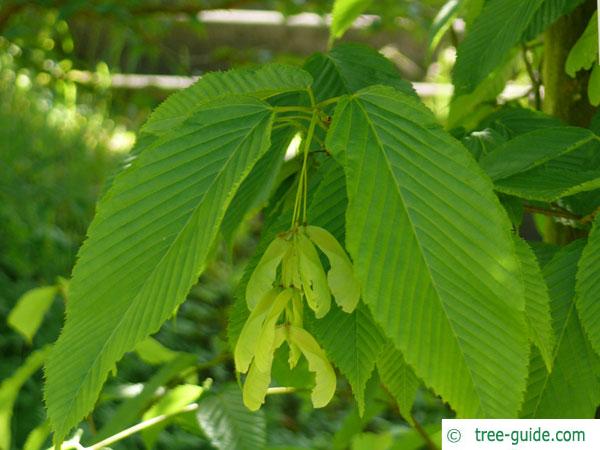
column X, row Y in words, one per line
column 566, row 97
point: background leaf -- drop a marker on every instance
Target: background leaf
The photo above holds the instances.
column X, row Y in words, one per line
column 585, row 51
column 537, row 302
column 399, row 379
column 572, row 389
column 228, row 424
column 351, row 67
column 432, row 248
column 343, row 15
column 546, row 164
column 588, row 287
column 490, row 39
column 10, row 387
column 352, row 342
column 28, row 314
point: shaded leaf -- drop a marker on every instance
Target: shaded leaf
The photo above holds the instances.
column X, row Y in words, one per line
column 537, row 302
column 490, row 40
column 351, row 67
column 228, row 423
column 399, row 379
column 352, row 342
column 585, row 51
column 572, row 389
column 588, row 287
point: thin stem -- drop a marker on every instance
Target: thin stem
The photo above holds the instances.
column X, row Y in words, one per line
column 328, row 102
column 535, row 81
column 430, row 444
column 281, row 390
column 281, row 109
column 141, row 426
column 302, row 183
column 309, row 138
column 294, row 117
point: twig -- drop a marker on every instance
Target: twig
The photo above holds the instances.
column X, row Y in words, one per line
column 430, row 444
column 141, row 426
column 558, row 212
column 535, row 81
column 590, row 217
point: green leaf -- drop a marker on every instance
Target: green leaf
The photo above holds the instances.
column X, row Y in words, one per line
column 433, row 251
column 588, row 287
column 537, row 302
column 153, row 352
column 343, row 15
column 257, row 186
column 37, row 437
column 318, row 363
column 512, row 121
column 264, row 82
column 173, row 401
column 531, row 150
column 572, row 389
column 496, row 30
column 28, row 314
column 351, row 67
column 480, row 143
column 467, row 109
column 228, row 423
column 10, row 387
column 372, row 441
column 594, row 86
column 547, row 14
column 352, row 342
column 132, row 409
column 442, row 22
column 585, row 51
column 147, row 245
column 341, row 279
column 545, row 164
column 399, row 379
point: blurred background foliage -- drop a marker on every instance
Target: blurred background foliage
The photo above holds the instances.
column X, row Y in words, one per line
column 66, row 125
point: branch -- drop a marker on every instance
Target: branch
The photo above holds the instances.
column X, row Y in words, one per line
column 555, row 212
